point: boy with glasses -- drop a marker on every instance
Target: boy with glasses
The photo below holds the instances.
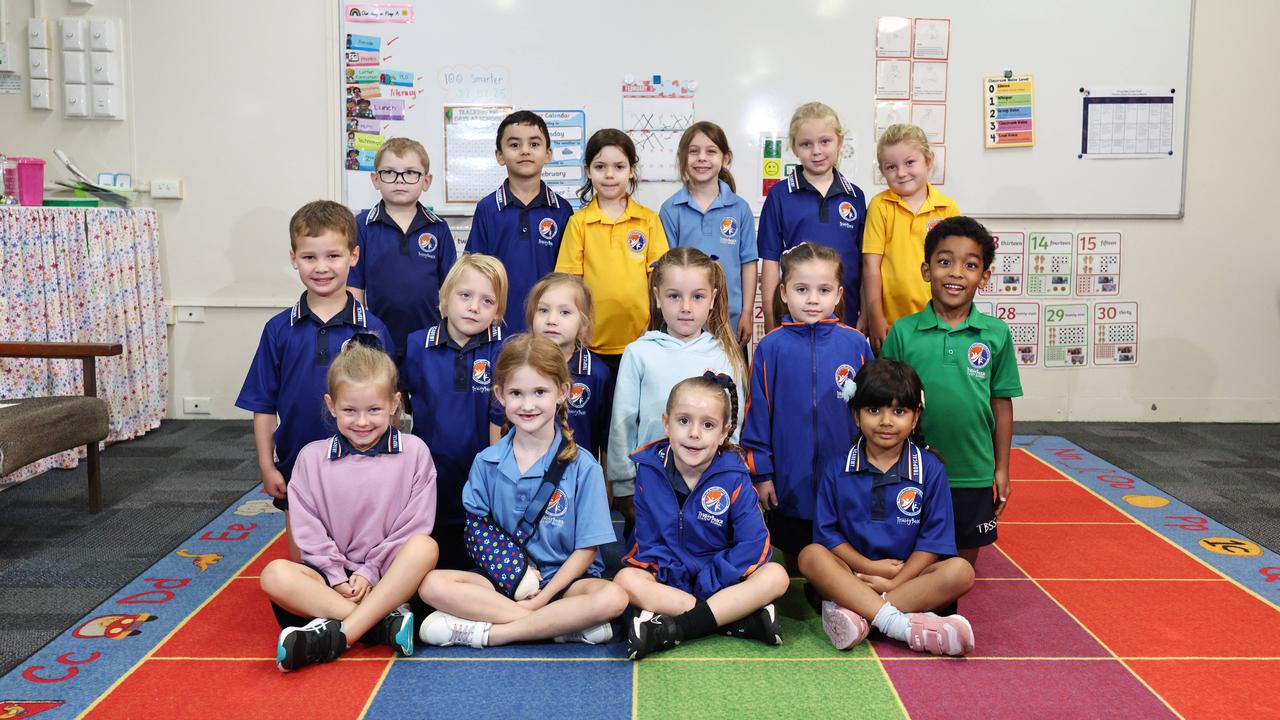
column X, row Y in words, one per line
column 405, row 249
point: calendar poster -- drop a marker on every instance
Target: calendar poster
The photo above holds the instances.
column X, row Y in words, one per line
column 1007, row 271
column 1115, row 333
column 1097, row 264
column 1023, row 319
column 1066, row 335
column 1049, row 264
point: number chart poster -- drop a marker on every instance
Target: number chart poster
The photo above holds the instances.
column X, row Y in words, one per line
column 1049, row 264
column 1023, row 319
column 1115, row 334
column 1008, row 268
column 1098, row 264
column 1066, row 335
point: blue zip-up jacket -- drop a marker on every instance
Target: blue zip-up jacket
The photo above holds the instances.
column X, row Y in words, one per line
column 796, row 422
column 714, row 540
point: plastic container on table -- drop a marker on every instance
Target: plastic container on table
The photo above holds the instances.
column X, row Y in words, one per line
column 30, row 180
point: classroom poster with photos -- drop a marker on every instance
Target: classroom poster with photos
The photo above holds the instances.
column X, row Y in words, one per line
column 911, row 68
column 375, row 96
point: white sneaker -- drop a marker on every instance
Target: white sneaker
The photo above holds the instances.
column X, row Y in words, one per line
column 594, row 635
column 442, row 629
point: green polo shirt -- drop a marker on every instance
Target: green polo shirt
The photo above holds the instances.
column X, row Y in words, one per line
column 962, row 369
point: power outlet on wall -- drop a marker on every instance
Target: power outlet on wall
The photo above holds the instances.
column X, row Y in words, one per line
column 166, row 188
column 196, row 406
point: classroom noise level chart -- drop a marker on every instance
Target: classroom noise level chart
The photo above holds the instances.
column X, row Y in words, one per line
column 1066, row 335
column 1009, row 104
column 1008, row 268
column 1115, row 333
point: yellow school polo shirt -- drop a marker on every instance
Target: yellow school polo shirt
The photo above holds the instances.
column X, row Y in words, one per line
column 898, row 234
column 613, row 258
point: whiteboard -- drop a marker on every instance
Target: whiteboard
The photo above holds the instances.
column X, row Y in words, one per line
column 755, row 61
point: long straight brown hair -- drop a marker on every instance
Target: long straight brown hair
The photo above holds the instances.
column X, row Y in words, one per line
column 718, row 320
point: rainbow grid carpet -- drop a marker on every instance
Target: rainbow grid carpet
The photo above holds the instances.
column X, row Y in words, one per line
column 1103, row 598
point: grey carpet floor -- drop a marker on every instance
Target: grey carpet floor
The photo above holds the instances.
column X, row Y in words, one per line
column 57, row 562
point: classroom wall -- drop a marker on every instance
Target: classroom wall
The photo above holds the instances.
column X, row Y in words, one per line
column 246, row 113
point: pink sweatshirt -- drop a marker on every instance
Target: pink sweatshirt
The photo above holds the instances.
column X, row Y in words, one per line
column 352, row 512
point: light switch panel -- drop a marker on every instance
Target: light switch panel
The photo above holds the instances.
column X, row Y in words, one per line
column 102, row 34
column 75, row 67
column 37, row 33
column 75, row 103
column 106, row 101
column 102, row 68
column 72, row 32
column 38, row 64
column 40, row 99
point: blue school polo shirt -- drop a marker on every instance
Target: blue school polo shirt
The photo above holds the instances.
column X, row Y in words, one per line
column 794, row 212
column 401, row 272
column 725, row 231
column 449, row 387
column 526, row 238
column 886, row 514
column 289, row 373
column 589, row 399
column 577, row 515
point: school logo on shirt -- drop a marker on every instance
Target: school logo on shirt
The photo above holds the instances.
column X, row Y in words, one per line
column 728, row 229
column 427, row 243
column 979, row 358
column 910, row 500
column 932, row 224
column 847, row 213
column 844, row 374
column 548, row 228
column 579, row 396
column 480, row 371
column 558, row 505
column 636, row 241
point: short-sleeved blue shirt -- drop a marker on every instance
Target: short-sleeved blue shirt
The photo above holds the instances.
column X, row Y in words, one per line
column 288, row 375
column 794, row 212
column 577, row 515
column 725, row 231
column 401, row 272
column 450, row 393
column 526, row 238
column 886, row 514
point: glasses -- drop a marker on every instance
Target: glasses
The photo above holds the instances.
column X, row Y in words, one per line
column 391, row 176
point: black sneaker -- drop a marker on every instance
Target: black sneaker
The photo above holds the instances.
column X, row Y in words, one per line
column 318, row 641
column 760, row 625
column 394, row 630
column 649, row 633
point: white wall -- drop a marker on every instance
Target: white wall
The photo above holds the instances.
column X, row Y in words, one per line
column 240, row 100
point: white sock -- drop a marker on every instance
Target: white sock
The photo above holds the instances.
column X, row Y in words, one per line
column 892, row 622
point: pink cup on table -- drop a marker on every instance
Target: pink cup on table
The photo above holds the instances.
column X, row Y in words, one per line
column 30, row 180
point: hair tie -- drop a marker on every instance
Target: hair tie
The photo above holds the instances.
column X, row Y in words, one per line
column 720, row 379
column 848, row 389
column 369, row 340
column 716, row 258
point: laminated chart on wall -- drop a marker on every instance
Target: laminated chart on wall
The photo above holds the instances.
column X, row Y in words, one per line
column 470, row 172
column 374, row 96
column 1008, row 268
column 1098, row 264
column 891, row 112
column 1009, row 106
column 986, row 307
column 1120, row 123
column 1049, row 264
column 655, row 112
column 1066, row 335
column 1115, row 333
column 1023, row 319
column 931, row 38
column 893, row 37
column 911, row 83
column 776, row 159
column 564, row 174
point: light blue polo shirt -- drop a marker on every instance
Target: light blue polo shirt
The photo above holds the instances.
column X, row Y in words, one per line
column 726, row 231
column 577, row 516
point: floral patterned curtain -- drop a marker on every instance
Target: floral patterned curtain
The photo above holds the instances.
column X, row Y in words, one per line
column 85, row 275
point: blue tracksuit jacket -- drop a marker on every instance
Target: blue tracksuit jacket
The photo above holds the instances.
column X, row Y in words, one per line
column 796, row 422
column 714, row 540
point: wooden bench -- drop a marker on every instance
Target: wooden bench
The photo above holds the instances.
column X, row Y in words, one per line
column 35, row 428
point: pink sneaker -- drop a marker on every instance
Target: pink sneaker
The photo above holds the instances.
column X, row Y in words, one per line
column 950, row 635
column 845, row 627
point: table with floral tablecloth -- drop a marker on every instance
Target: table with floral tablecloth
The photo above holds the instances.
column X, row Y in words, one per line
column 85, row 275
